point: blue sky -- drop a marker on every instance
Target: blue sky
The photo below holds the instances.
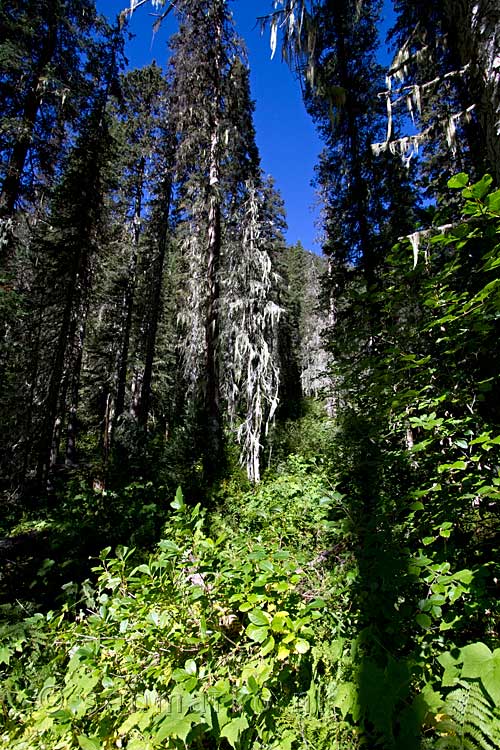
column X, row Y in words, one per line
column 286, row 136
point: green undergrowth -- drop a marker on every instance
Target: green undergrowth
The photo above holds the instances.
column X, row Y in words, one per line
column 244, row 629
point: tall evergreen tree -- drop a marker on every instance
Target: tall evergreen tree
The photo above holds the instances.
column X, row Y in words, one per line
column 203, row 51
column 122, row 345
column 70, row 244
column 219, row 203
column 45, row 48
column 252, row 311
column 62, row 95
column 307, row 323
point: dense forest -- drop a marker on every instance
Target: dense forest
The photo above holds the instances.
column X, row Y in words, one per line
column 250, row 494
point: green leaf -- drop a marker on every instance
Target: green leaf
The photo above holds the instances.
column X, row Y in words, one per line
column 459, row 180
column 283, row 652
column 428, row 701
column 475, row 657
column 491, row 678
column 233, row 730
column 447, row 625
column 178, row 503
column 259, row 617
column 221, row 689
column 166, row 545
column 87, row 744
column 257, row 634
column 464, row 576
column 252, row 684
column 286, row 741
column 424, row 621
column 141, row 569
column 190, row 667
column 445, row 533
column 5, row 654
column 345, row 697
column 301, row 646
column 175, row 726
column 279, row 622
column 480, row 189
column 317, row 604
column 131, row 722
column 493, row 201
column 256, row 704
column 268, row 646
column 417, row 506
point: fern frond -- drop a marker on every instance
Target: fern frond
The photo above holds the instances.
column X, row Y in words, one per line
column 470, row 721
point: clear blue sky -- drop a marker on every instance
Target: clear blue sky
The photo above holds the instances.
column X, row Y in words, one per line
column 286, row 137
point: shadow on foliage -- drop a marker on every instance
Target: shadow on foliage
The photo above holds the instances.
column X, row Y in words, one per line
column 383, row 594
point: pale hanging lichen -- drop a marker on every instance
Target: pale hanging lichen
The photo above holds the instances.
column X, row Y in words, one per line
column 251, row 320
column 415, row 243
column 411, row 97
column 190, row 318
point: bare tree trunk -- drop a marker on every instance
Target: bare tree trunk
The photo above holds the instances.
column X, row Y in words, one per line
column 128, row 302
column 75, row 375
column 212, row 332
column 35, row 346
column 47, row 452
column 144, row 403
column 135, row 394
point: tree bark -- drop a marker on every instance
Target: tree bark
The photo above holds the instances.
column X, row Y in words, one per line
column 75, row 368
column 212, row 325
column 144, row 403
column 128, row 300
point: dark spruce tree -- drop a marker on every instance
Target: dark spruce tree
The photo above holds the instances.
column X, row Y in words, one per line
column 127, row 298
column 202, row 50
column 28, row 353
column 70, row 246
column 43, row 54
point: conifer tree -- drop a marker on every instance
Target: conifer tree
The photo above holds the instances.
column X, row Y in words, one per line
column 140, row 123
column 52, row 56
column 251, row 314
column 45, row 48
column 219, row 203
column 306, row 320
column 199, row 64
column 71, row 243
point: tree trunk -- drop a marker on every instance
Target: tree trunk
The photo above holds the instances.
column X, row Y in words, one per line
column 75, row 374
column 46, row 442
column 144, row 403
column 128, row 301
column 212, row 332
column 359, row 189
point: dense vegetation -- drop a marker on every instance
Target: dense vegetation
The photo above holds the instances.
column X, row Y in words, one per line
column 250, row 494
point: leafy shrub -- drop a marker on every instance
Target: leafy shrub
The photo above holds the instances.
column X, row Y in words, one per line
column 205, row 639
